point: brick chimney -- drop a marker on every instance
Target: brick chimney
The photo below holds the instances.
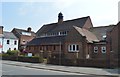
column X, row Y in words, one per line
column 29, row 29
column 60, row 17
column 1, row 29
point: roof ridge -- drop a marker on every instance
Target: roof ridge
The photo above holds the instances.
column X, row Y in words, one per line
column 103, row 26
column 23, row 30
column 67, row 20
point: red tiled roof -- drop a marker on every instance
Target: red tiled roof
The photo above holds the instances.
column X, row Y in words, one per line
column 90, row 37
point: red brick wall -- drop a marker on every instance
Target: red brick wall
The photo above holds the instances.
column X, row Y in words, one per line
column 74, row 37
column 88, row 24
column 1, row 30
column 99, row 54
column 114, row 41
column 26, row 39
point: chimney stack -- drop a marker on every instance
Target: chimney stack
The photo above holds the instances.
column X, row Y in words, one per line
column 60, row 17
column 29, row 29
column 1, row 29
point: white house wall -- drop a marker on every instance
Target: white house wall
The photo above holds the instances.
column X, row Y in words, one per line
column 10, row 45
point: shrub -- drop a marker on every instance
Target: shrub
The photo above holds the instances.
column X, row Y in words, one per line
column 13, row 52
column 4, row 55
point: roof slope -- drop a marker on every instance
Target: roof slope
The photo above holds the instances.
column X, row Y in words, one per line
column 65, row 25
column 101, row 31
column 47, row 40
column 9, row 35
column 19, row 31
column 90, row 37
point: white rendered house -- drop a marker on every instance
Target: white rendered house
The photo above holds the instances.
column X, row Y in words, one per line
column 10, row 41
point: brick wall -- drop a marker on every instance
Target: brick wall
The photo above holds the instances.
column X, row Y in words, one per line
column 1, row 29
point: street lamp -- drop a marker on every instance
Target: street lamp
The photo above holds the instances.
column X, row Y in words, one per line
column 40, row 55
column 60, row 55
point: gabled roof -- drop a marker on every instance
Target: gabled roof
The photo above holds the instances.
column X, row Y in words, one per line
column 9, row 35
column 90, row 37
column 65, row 25
column 19, row 31
column 47, row 40
column 101, row 31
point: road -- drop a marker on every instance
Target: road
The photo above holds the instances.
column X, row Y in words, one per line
column 20, row 70
column 16, row 71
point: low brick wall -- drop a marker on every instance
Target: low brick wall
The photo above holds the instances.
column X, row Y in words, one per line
column 85, row 62
column 66, row 62
column 94, row 63
column 23, row 59
column 69, row 62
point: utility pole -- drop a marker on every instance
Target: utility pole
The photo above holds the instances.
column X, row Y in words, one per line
column 60, row 54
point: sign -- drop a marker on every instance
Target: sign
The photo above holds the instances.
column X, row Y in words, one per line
column 29, row 54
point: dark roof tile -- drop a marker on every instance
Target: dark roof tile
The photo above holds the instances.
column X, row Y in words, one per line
column 101, row 31
column 65, row 25
column 47, row 40
column 9, row 35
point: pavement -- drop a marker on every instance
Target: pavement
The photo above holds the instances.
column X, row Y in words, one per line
column 71, row 69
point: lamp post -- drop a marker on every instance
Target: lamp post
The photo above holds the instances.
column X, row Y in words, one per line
column 60, row 54
column 40, row 55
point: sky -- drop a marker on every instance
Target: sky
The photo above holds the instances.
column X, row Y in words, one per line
column 35, row 13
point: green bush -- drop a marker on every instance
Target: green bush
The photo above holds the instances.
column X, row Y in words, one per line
column 4, row 55
column 13, row 52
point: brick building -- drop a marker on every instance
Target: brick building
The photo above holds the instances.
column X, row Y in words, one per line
column 114, row 44
column 101, row 50
column 64, row 38
column 24, row 36
column 72, row 36
column 72, row 39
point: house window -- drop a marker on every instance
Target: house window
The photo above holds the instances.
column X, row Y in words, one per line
column 103, row 49
column 95, row 49
column 26, row 33
column 8, row 41
column 73, row 48
column 15, row 42
column 54, row 48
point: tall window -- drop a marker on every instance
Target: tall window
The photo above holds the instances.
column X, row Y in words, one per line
column 73, row 48
column 103, row 49
column 8, row 41
column 54, row 47
column 95, row 49
column 15, row 42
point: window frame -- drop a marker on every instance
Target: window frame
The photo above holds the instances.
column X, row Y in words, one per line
column 73, row 48
column 103, row 48
column 95, row 48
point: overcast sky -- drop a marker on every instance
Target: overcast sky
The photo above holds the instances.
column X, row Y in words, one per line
column 34, row 13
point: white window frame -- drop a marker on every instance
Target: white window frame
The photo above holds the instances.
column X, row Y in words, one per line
column 95, row 48
column 103, row 48
column 26, row 33
column 70, row 48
